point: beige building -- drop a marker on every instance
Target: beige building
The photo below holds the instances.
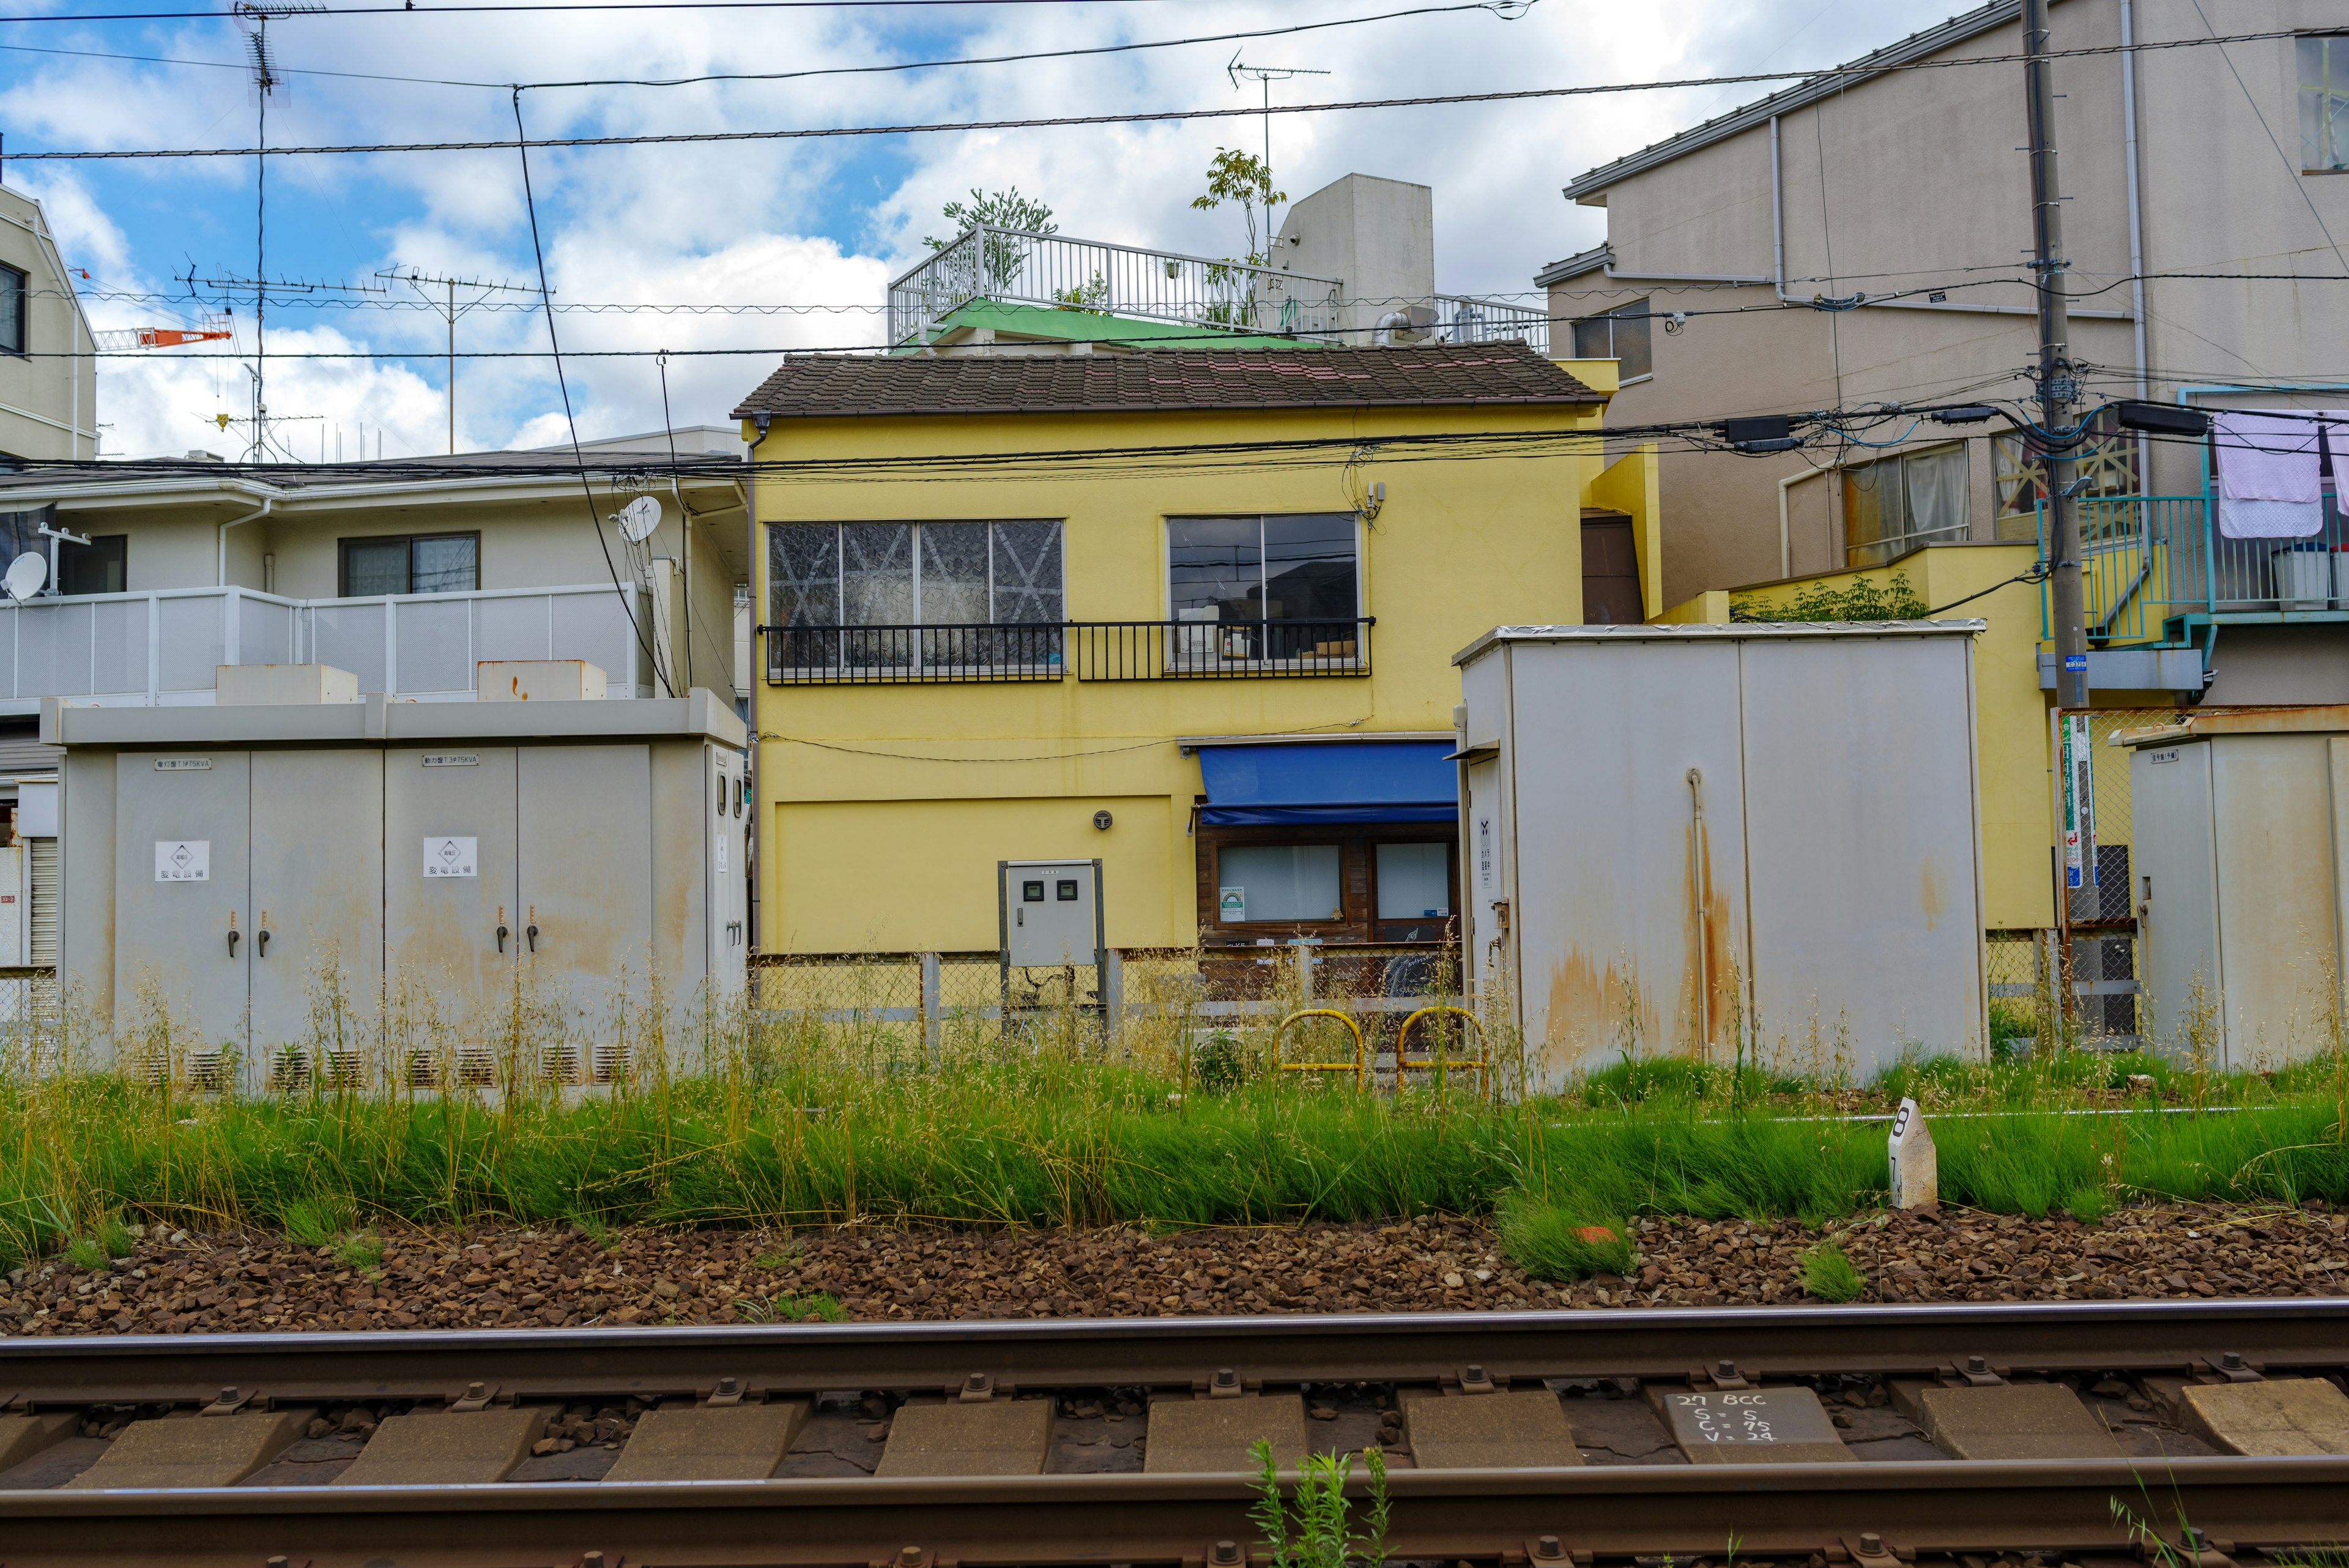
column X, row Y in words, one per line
column 1861, row 238
column 48, row 386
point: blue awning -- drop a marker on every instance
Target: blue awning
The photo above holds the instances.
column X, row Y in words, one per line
column 1327, row 782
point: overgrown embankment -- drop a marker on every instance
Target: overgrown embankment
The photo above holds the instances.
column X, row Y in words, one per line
column 1035, row 1143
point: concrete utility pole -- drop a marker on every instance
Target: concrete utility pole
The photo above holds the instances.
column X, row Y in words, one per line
column 2058, row 390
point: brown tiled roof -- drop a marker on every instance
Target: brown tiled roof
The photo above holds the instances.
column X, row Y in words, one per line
column 847, row 385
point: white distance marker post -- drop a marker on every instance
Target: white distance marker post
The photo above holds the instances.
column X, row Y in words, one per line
column 1916, row 1169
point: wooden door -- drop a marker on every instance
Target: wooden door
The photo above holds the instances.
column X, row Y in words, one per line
column 1611, row 571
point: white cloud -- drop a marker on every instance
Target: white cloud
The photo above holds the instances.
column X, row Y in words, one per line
column 746, row 223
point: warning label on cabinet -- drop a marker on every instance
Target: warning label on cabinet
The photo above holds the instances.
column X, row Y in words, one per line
column 183, row 860
column 451, row 857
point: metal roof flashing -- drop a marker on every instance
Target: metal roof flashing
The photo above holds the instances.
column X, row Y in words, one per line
column 1734, row 631
column 374, row 721
column 2315, row 719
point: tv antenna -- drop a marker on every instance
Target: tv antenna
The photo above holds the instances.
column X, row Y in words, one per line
column 450, row 310
column 1265, row 76
column 253, row 17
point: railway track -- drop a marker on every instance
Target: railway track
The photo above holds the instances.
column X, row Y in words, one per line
column 1951, row 1436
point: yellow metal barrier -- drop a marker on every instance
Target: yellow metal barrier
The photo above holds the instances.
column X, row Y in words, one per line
column 1440, row 1066
column 1358, row 1067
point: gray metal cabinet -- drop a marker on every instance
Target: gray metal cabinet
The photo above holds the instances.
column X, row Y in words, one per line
column 1699, row 840
column 727, row 849
column 585, row 864
column 2243, row 874
column 449, row 868
column 182, row 880
column 1628, row 932
column 1858, row 773
column 318, row 885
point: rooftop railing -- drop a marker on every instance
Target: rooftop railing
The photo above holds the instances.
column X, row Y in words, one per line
column 163, row 648
column 1461, row 318
column 1011, row 267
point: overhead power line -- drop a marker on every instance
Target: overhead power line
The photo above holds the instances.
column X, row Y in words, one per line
column 1507, row 8
column 412, row 9
column 682, row 137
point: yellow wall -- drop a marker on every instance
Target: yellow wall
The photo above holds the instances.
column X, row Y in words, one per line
column 883, row 809
column 2009, row 711
column 1633, row 483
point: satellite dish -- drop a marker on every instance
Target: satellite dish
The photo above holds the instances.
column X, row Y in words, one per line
column 639, row 518
column 25, row 575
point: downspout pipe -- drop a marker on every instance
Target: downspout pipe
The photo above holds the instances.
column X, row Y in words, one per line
column 266, row 502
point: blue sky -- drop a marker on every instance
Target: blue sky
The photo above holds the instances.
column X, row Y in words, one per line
column 817, row 226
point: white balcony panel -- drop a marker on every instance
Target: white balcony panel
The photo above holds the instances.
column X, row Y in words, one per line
column 350, row 635
column 118, row 645
column 595, row 627
column 55, row 649
column 264, row 631
column 435, row 640
column 516, row 628
column 190, row 639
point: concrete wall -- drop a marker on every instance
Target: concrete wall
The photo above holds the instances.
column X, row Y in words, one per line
column 884, row 809
column 1376, row 236
column 48, row 407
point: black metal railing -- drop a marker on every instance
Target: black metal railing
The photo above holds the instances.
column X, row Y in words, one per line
column 1092, row 650
column 1245, row 649
column 888, row 655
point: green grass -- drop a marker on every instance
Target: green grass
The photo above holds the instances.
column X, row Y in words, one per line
column 1552, row 1242
column 1830, row 1275
column 790, row 1306
column 1026, row 1145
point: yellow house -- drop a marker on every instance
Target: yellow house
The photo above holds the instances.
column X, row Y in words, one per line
column 1187, row 613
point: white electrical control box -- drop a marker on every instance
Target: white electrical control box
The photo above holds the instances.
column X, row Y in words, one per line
column 1051, row 912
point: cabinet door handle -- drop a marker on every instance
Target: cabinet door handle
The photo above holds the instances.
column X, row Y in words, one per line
column 260, row 942
column 231, row 941
column 530, row 931
column 502, row 934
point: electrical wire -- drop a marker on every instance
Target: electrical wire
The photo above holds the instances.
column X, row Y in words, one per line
column 782, row 75
column 412, row 9
column 1147, row 117
column 594, row 516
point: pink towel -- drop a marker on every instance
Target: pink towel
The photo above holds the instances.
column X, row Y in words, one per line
column 2268, row 485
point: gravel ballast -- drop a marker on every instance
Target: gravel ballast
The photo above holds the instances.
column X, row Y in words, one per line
column 180, row 1283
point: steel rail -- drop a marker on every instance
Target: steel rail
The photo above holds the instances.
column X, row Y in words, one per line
column 1651, row 1343
column 1492, row 1515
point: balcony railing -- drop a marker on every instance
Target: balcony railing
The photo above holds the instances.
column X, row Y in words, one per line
column 1462, row 320
column 1010, row 266
column 161, row 648
column 2148, row 559
column 1088, row 650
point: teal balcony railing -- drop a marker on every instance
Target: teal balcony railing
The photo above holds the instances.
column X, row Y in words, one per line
column 2147, row 560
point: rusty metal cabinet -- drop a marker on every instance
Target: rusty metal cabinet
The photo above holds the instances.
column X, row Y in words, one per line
column 182, row 880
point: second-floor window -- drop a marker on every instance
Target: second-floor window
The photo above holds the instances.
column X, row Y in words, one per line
column 2325, row 103
column 100, row 567
column 411, row 563
column 1621, row 334
column 1896, row 504
column 1300, row 568
column 14, row 299
column 915, row 574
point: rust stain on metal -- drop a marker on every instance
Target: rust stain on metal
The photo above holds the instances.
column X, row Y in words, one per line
column 1931, row 894
column 1590, row 1004
column 1712, row 962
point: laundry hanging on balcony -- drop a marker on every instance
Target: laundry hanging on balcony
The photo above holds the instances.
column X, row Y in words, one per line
column 1303, row 781
column 2268, row 472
